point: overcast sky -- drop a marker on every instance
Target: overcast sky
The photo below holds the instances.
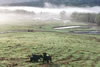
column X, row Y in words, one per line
column 14, row 1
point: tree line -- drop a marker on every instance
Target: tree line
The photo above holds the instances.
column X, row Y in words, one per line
column 86, row 17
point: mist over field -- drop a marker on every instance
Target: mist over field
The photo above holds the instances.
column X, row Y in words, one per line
column 49, row 8
column 49, row 12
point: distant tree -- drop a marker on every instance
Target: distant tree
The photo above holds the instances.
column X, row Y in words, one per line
column 98, row 19
column 63, row 15
column 92, row 18
column 20, row 11
column 83, row 17
column 74, row 16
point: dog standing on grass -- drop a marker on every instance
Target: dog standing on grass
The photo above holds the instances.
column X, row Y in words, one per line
column 47, row 59
column 35, row 58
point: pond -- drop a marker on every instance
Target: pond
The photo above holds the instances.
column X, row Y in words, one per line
column 67, row 27
column 79, row 31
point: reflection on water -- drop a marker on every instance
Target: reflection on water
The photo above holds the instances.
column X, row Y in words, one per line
column 68, row 27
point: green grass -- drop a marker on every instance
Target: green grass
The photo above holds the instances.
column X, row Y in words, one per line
column 66, row 49
column 36, row 25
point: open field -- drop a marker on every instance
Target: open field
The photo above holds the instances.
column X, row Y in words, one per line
column 42, row 25
column 67, row 49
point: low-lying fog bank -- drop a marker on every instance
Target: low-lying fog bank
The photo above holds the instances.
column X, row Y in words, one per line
column 68, row 9
column 15, row 13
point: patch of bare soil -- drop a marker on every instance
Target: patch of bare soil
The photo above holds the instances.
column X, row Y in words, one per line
column 44, row 65
column 13, row 62
column 69, row 58
column 49, row 65
column 12, row 59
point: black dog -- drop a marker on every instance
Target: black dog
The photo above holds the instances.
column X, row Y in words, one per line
column 44, row 57
column 35, row 58
column 47, row 59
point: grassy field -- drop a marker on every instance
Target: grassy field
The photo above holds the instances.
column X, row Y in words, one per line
column 67, row 49
column 36, row 25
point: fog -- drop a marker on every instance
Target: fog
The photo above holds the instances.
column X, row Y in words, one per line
column 68, row 9
column 10, row 14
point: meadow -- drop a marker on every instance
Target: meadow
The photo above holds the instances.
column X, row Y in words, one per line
column 66, row 49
